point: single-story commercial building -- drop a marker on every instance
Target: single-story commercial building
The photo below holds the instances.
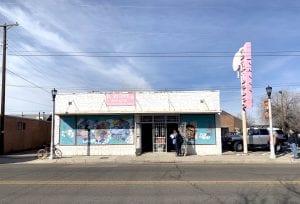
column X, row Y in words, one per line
column 129, row 123
column 24, row 134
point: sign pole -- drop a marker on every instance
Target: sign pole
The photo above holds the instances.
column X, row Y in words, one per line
column 242, row 65
column 244, row 121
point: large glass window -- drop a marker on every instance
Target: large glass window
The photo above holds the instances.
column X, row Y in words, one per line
column 97, row 130
column 200, row 129
column 67, row 130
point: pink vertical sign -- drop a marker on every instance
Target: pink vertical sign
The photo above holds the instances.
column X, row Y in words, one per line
column 247, row 77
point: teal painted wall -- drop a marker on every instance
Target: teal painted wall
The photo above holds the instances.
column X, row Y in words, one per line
column 202, row 128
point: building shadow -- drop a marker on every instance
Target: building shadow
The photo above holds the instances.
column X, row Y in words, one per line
column 285, row 150
column 20, row 157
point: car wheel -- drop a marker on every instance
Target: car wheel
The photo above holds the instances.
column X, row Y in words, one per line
column 238, row 146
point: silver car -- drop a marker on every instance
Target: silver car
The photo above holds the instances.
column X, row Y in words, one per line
column 258, row 136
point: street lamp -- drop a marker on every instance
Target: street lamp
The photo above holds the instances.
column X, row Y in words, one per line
column 54, row 93
column 272, row 153
column 282, row 112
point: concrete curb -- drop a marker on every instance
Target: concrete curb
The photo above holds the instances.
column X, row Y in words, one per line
column 149, row 161
column 261, row 158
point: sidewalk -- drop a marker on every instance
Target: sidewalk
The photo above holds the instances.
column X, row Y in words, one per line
column 148, row 158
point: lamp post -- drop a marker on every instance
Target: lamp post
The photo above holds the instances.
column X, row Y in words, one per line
column 54, row 92
column 282, row 112
column 272, row 150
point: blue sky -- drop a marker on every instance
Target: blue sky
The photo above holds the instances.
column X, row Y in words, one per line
column 211, row 31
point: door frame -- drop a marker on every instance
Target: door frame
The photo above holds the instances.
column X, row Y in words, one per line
column 162, row 119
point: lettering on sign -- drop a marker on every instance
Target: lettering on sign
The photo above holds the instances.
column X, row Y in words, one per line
column 246, row 77
column 120, row 99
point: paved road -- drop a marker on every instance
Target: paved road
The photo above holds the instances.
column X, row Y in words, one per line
column 149, row 183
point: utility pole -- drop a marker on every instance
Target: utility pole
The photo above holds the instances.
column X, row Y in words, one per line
column 282, row 113
column 5, row 28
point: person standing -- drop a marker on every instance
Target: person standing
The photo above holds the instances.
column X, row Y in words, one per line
column 293, row 141
column 179, row 141
column 173, row 137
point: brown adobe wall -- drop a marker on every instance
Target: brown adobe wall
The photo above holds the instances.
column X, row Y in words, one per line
column 18, row 137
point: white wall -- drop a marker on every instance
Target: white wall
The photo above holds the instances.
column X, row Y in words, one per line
column 146, row 102
column 98, row 150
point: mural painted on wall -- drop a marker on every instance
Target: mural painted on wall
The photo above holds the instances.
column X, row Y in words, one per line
column 105, row 130
column 200, row 129
column 96, row 130
column 67, row 130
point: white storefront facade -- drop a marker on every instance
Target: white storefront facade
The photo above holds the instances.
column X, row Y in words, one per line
column 129, row 123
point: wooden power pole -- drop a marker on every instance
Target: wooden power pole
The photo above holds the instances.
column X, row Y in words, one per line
column 5, row 28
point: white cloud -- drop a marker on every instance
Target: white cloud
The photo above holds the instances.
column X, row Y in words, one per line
column 55, row 41
column 41, row 33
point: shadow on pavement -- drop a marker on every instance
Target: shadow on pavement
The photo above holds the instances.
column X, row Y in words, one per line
column 19, row 157
column 284, row 150
column 282, row 154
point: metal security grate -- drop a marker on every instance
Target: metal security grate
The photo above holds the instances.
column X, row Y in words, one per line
column 159, row 137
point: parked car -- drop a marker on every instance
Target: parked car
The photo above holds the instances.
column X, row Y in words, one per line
column 234, row 140
column 256, row 138
column 282, row 137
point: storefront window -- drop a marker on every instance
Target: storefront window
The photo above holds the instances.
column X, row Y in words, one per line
column 67, row 130
column 97, row 130
column 200, row 129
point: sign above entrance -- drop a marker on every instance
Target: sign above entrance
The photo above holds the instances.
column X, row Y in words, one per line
column 120, row 99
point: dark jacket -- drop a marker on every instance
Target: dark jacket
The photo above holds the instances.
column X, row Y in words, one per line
column 293, row 138
column 179, row 139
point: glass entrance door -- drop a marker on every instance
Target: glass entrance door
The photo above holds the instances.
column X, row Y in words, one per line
column 159, row 137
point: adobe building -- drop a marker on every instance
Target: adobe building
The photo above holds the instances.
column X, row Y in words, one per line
column 24, row 134
column 129, row 123
column 230, row 123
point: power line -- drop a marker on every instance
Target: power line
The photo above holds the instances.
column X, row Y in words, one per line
column 151, row 56
column 23, row 86
column 222, row 88
column 166, row 52
column 35, row 85
column 24, row 100
column 34, row 66
column 186, row 6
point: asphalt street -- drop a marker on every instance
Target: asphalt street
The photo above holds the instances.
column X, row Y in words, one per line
column 149, row 183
